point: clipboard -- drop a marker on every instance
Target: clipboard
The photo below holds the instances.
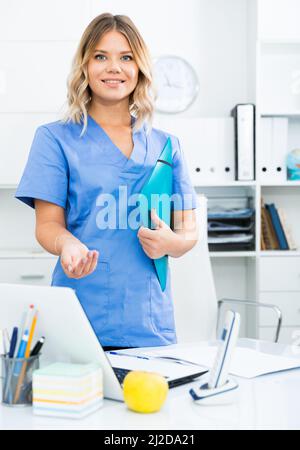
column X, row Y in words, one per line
column 157, row 194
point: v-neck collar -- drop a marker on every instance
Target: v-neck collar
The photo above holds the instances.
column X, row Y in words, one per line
column 137, row 159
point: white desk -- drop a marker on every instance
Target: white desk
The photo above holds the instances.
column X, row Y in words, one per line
column 269, row 402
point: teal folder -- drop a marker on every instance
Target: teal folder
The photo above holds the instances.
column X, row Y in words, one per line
column 157, row 194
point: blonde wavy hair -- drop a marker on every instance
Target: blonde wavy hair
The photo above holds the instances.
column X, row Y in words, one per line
column 79, row 95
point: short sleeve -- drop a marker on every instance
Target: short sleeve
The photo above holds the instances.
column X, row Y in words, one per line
column 184, row 196
column 45, row 176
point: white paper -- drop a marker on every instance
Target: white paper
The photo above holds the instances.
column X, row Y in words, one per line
column 230, row 238
column 246, row 363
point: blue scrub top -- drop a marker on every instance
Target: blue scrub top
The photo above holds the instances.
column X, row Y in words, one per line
column 122, row 297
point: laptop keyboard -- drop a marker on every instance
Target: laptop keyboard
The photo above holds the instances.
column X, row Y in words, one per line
column 121, row 374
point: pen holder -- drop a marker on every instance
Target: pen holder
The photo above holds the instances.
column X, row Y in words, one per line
column 17, row 380
column 223, row 395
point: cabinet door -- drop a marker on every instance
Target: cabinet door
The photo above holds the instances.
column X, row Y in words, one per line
column 279, row 19
column 16, row 136
column 27, row 270
column 280, row 274
column 288, row 335
column 40, row 89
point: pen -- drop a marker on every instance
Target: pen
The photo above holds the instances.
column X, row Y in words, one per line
column 25, row 334
column 127, row 354
column 7, row 337
column 23, row 345
column 19, row 367
column 24, row 350
column 38, row 346
column 27, row 352
column 13, row 342
column 21, row 329
column 20, row 335
column 4, row 343
column 29, row 316
column 13, row 345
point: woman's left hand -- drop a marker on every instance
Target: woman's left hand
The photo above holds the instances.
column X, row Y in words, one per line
column 159, row 242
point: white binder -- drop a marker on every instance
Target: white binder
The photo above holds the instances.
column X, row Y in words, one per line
column 274, row 149
column 265, row 143
column 279, row 148
column 208, row 146
column 245, row 142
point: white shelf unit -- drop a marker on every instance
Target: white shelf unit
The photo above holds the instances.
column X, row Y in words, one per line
column 278, row 100
column 273, row 86
column 282, row 253
column 239, row 254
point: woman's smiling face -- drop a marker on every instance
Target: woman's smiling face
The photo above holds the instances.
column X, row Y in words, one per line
column 112, row 71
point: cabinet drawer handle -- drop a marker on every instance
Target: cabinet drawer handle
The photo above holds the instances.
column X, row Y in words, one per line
column 32, row 277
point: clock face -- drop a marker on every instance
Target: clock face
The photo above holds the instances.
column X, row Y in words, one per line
column 176, row 83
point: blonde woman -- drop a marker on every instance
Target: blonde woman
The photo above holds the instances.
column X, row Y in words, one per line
column 82, row 176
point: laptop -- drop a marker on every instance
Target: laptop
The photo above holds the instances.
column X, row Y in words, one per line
column 71, row 338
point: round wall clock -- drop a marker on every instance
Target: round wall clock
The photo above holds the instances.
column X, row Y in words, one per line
column 176, row 82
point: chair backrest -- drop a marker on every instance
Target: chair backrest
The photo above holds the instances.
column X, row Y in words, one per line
column 194, row 294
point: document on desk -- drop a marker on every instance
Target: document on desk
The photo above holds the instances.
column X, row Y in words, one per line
column 246, row 363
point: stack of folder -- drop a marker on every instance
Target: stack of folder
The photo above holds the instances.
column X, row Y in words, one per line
column 231, row 229
column 275, row 233
column 67, row 390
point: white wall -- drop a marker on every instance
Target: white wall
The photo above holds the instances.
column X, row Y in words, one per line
column 38, row 39
column 210, row 34
column 37, row 43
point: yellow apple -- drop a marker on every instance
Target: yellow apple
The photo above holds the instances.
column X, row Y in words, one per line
column 145, row 392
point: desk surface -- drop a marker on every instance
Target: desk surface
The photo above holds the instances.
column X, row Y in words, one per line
column 268, row 402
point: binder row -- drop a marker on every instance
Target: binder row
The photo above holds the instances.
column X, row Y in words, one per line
column 275, row 233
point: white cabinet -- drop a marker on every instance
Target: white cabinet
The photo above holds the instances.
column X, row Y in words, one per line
column 36, row 271
column 35, row 20
column 16, row 136
column 288, row 335
column 280, row 286
column 278, row 20
column 287, row 302
column 280, row 274
column 279, row 86
column 49, row 64
column 278, row 107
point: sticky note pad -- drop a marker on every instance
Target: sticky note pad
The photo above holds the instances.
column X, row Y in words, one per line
column 67, row 390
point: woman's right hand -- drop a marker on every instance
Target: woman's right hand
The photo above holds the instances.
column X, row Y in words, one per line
column 77, row 260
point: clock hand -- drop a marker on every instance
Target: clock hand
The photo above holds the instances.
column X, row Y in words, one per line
column 173, row 86
column 177, row 86
column 168, row 82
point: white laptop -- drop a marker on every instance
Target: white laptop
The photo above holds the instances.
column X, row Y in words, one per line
column 71, row 338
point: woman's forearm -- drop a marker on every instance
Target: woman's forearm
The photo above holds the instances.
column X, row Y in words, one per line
column 182, row 243
column 52, row 235
column 185, row 233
